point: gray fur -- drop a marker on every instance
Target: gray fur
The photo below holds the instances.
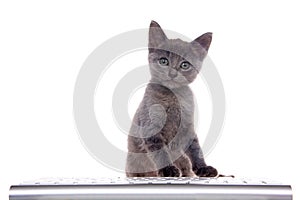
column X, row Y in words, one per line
column 162, row 140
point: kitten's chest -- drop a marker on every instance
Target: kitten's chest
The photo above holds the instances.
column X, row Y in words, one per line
column 185, row 100
column 180, row 110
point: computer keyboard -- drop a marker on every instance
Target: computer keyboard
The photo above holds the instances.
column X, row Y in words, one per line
column 150, row 188
column 150, row 180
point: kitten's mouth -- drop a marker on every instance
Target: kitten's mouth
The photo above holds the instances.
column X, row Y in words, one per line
column 171, row 83
column 174, row 80
column 171, row 80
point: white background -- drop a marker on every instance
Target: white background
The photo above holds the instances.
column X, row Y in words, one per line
column 43, row 45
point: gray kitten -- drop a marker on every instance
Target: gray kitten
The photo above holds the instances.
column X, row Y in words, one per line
column 162, row 140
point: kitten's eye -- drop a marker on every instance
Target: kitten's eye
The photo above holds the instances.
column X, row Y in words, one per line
column 163, row 61
column 185, row 66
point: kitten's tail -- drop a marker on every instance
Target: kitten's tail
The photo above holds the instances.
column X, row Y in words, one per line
column 222, row 175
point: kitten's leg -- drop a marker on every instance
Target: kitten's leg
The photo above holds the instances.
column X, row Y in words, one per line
column 185, row 166
column 147, row 174
column 158, row 152
column 140, row 165
column 199, row 166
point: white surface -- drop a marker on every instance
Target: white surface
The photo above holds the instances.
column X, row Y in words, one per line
column 43, row 45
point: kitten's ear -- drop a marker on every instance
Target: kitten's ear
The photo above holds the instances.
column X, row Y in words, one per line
column 156, row 35
column 204, row 40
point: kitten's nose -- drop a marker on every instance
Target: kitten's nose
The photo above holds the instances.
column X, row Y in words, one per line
column 172, row 73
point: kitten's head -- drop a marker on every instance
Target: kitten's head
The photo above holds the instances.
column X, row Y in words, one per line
column 175, row 63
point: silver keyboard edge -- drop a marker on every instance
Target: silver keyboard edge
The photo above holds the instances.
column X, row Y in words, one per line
column 162, row 192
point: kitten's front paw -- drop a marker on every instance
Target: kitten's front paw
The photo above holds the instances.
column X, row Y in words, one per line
column 169, row 171
column 207, row 171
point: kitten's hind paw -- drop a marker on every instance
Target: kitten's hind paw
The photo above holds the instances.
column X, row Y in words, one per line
column 169, row 171
column 207, row 171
